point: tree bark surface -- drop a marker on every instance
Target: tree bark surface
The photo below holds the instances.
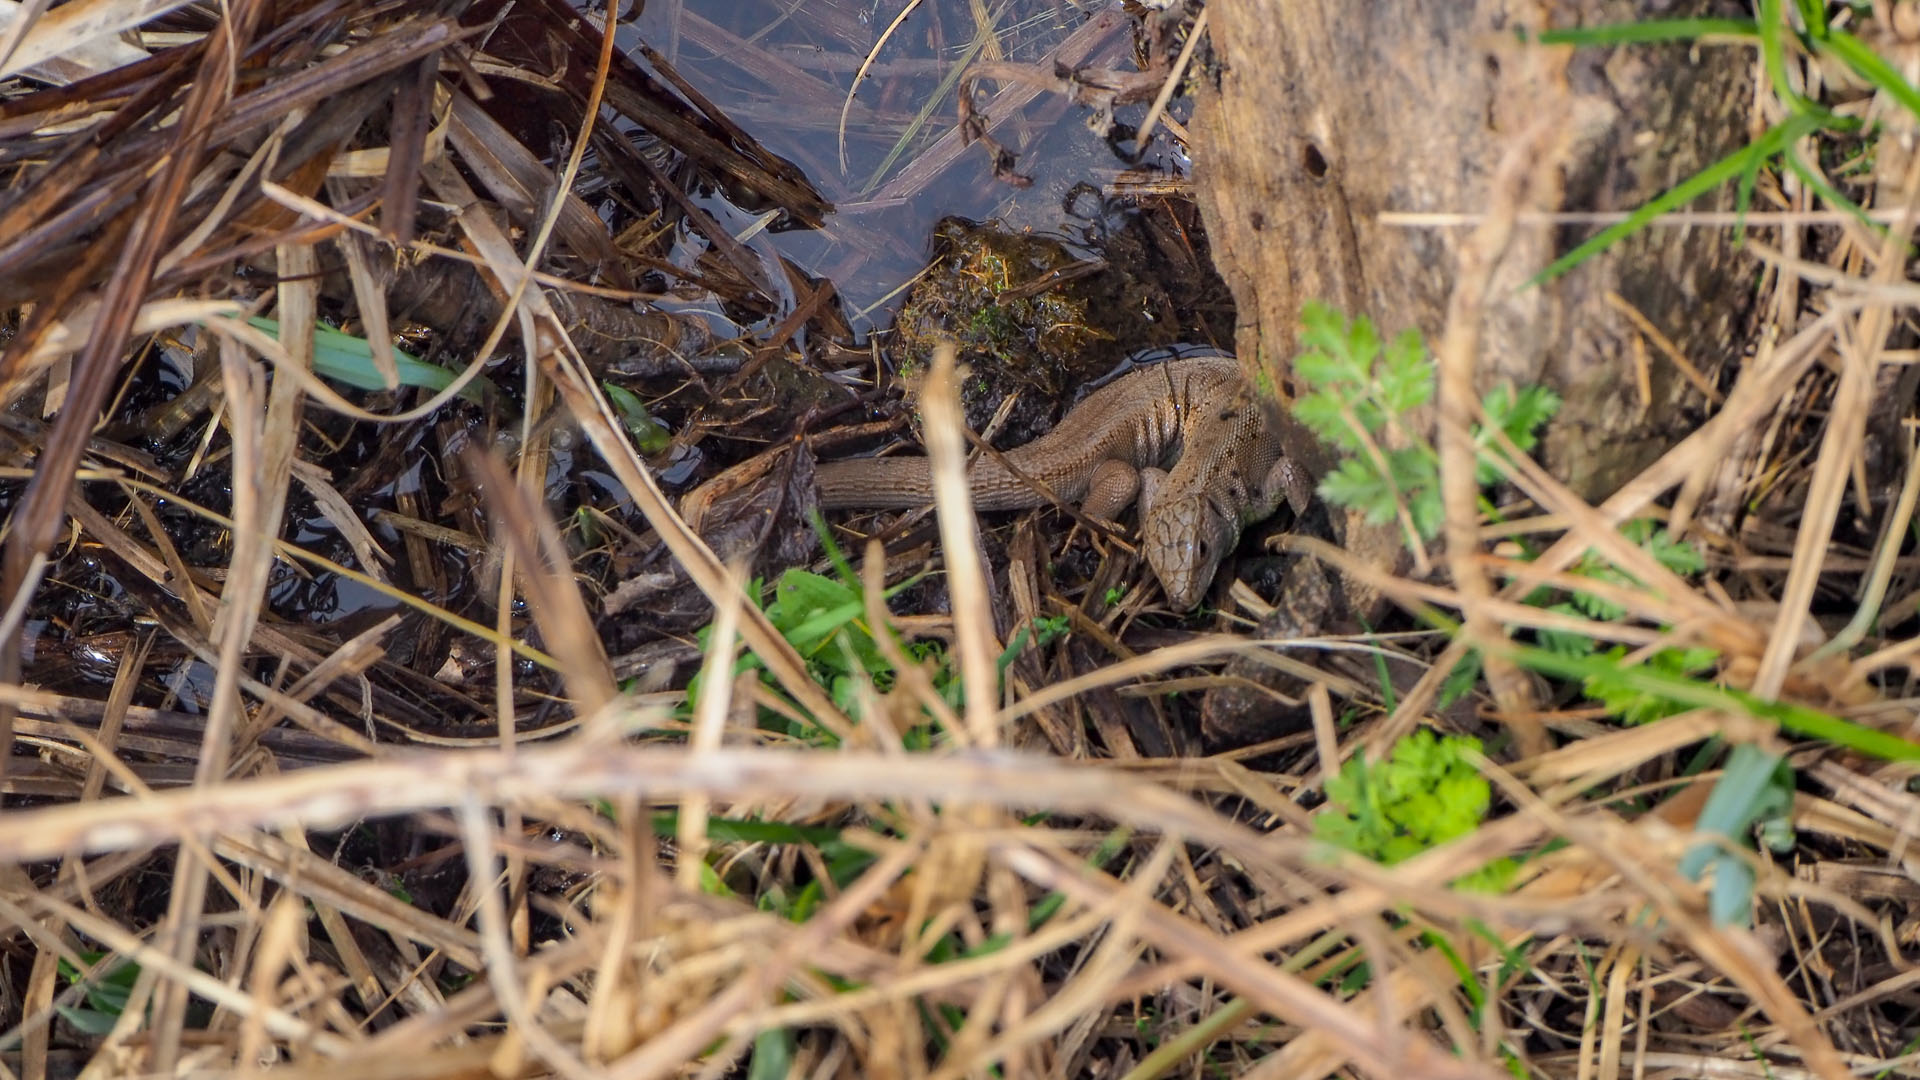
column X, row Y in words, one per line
column 1320, row 115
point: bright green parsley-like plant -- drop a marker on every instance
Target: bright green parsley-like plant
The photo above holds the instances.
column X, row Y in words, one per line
column 1425, row 794
column 1632, row 704
column 1360, row 393
column 1678, row 556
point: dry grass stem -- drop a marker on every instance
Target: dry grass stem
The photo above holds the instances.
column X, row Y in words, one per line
column 419, row 659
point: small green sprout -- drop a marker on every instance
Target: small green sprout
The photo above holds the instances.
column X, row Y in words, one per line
column 340, row 355
column 648, row 434
column 1048, row 629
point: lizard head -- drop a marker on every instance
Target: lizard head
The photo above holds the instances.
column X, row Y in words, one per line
column 1185, row 540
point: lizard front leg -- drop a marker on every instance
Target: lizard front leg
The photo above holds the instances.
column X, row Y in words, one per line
column 1287, row 480
column 1112, row 486
column 1152, row 483
column 1283, row 482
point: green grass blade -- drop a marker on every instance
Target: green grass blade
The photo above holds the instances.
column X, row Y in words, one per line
column 1736, row 803
column 773, row 1054
column 748, row 831
column 1743, row 198
column 1773, row 51
column 1796, row 719
column 1653, row 31
column 933, row 102
column 1871, row 66
column 1830, row 194
column 1462, row 971
column 349, row 359
column 1751, row 156
column 841, row 565
column 1814, row 14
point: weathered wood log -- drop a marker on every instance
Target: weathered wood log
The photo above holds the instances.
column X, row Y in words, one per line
column 1320, row 115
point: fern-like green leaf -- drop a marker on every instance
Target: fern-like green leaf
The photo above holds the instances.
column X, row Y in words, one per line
column 1324, row 415
column 1407, row 376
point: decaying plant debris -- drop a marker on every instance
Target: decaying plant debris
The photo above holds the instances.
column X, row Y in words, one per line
column 346, row 717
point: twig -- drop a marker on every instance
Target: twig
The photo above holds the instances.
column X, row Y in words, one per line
column 1167, row 88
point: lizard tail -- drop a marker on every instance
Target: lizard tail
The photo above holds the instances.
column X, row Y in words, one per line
column 901, row 483
column 891, row 483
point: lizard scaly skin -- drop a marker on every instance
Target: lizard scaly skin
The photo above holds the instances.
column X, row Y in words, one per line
column 1186, row 437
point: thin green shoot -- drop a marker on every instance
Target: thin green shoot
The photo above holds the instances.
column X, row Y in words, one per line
column 342, row 356
column 1650, row 32
column 1790, row 717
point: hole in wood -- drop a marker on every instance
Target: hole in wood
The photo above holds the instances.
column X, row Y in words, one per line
column 1314, row 161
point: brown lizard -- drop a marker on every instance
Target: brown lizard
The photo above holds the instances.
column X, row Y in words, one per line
column 1187, row 437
